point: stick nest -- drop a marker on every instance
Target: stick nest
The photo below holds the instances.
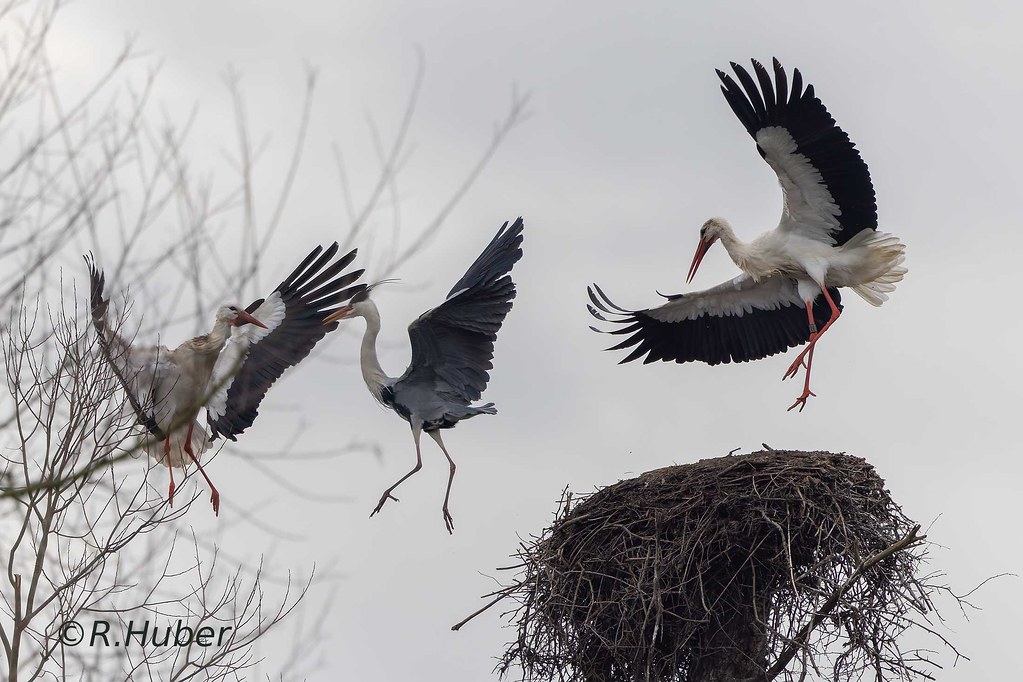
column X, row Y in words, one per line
column 758, row 566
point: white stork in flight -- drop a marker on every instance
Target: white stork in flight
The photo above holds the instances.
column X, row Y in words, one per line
column 227, row 371
column 452, row 349
column 787, row 293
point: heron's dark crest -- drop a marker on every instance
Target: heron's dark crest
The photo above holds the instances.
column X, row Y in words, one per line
column 364, row 294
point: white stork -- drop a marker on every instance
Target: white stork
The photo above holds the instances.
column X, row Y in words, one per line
column 452, row 349
column 227, row 373
column 827, row 238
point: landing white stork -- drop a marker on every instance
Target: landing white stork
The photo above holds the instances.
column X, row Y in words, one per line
column 227, row 373
column 452, row 349
column 827, row 238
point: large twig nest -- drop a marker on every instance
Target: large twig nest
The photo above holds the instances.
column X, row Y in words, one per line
column 749, row 567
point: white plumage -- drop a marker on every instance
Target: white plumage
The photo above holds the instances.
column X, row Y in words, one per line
column 228, row 375
column 826, row 239
column 234, row 354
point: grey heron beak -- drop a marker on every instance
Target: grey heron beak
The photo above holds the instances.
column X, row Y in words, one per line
column 701, row 251
column 339, row 314
column 245, row 318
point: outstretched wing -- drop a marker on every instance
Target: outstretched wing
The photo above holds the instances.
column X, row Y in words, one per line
column 139, row 369
column 737, row 321
column 255, row 358
column 453, row 344
column 827, row 188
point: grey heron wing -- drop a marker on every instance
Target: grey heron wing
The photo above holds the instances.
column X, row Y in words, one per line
column 453, row 344
column 826, row 185
column 737, row 321
column 139, row 369
column 256, row 357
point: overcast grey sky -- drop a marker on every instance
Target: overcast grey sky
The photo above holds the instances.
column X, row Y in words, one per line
column 630, row 147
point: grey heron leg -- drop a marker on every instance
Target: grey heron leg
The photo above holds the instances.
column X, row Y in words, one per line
column 170, row 469
column 449, row 523
column 215, row 496
column 416, row 432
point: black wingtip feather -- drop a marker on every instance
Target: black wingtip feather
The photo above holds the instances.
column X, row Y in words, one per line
column 596, row 301
column 752, row 93
column 302, row 266
column 749, row 334
column 608, row 300
column 251, row 308
column 308, row 294
column 496, row 260
column 797, row 85
column 453, row 344
column 759, row 104
column 98, row 306
column 766, row 87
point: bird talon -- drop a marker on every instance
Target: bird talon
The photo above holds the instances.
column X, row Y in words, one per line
column 801, row 400
column 449, row 522
column 797, row 364
column 215, row 500
column 380, row 505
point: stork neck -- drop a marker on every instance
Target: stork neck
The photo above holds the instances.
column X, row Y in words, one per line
column 733, row 245
column 738, row 250
column 217, row 338
column 372, row 373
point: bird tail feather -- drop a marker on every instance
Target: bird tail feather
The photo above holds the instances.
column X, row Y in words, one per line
column 486, row 409
column 472, row 411
column 886, row 254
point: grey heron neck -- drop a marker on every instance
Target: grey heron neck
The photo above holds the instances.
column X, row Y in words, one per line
column 372, row 373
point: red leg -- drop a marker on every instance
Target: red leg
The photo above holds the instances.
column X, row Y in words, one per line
column 814, row 335
column 170, row 470
column 215, row 497
column 807, row 393
column 419, row 465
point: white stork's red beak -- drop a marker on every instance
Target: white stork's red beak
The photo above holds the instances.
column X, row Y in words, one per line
column 701, row 251
column 339, row 314
column 244, row 318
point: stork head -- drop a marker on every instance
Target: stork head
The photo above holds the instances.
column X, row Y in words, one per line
column 236, row 316
column 709, row 233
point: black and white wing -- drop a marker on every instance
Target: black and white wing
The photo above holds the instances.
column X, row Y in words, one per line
column 141, row 370
column 453, row 344
column 827, row 188
column 255, row 358
column 737, row 321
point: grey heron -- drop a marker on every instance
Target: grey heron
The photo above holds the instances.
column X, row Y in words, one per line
column 826, row 239
column 228, row 370
column 452, row 349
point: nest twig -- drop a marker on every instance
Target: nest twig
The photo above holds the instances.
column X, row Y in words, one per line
column 755, row 567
